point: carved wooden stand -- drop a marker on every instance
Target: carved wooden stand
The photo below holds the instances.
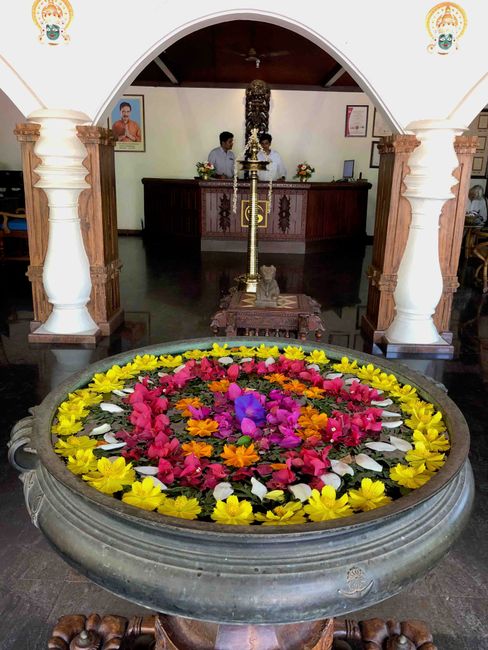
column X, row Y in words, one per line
column 163, row 632
column 295, row 316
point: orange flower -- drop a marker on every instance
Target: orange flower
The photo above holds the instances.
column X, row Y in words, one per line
column 319, row 421
column 198, row 449
column 184, row 403
column 202, row 428
column 294, row 386
column 315, row 391
column 276, row 378
column 239, row 456
column 278, row 466
column 305, row 420
column 219, row 386
column 307, row 433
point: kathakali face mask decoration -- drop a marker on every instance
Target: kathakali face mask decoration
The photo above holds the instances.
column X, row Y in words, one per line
column 446, row 23
column 53, row 18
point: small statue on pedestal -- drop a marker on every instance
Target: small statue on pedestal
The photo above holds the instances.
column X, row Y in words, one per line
column 267, row 291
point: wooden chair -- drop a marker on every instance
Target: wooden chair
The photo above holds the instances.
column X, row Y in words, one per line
column 13, row 228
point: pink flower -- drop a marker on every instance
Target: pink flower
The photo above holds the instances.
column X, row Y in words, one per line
column 233, row 372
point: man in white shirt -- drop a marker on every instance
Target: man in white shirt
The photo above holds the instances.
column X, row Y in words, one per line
column 222, row 158
column 275, row 170
column 476, row 212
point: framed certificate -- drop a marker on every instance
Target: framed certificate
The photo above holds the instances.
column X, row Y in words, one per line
column 380, row 127
column 374, row 158
column 479, row 127
column 356, row 121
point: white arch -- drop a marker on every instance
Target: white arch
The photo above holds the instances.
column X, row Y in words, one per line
column 472, row 103
column 24, row 98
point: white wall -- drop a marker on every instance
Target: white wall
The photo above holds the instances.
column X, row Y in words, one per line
column 182, row 126
column 9, row 147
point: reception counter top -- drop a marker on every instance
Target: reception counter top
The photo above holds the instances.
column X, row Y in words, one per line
column 301, row 216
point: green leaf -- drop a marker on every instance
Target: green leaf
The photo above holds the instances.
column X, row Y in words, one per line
column 244, row 440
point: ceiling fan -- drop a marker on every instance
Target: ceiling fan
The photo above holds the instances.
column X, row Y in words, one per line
column 252, row 55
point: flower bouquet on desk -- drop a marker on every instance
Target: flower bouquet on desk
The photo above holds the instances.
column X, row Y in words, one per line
column 205, row 170
column 304, row 172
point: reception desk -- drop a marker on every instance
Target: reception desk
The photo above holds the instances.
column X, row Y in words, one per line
column 301, row 217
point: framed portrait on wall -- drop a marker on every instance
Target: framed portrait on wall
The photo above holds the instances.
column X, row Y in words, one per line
column 380, row 127
column 481, row 146
column 479, row 166
column 483, row 121
column 126, row 122
column 356, row 121
column 479, row 127
column 374, row 158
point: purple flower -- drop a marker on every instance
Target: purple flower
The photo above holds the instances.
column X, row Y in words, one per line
column 249, row 406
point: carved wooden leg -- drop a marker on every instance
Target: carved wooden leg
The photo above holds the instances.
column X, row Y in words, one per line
column 377, row 634
column 92, row 633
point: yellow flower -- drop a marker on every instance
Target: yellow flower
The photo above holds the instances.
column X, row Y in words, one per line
column 169, row 361
column 233, row 512
column 239, row 456
column 414, row 403
column 202, row 428
column 194, row 354
column 110, row 477
column 317, row 356
column 291, row 513
column 350, row 367
column 404, row 393
column 87, row 396
column 219, row 386
column 146, row 362
column 84, row 460
column 324, row 505
column 276, row 378
column 70, row 446
column 243, row 352
column 182, row 507
column 66, row 426
column 410, row 477
column 219, row 350
column 368, row 372
column 383, row 381
column 314, row 392
column 369, row 496
column 421, row 454
column 74, row 408
column 183, row 404
column 275, row 495
column 144, row 494
column 265, row 352
column 198, row 449
column 293, row 353
column 422, row 419
column 432, row 439
column 106, row 382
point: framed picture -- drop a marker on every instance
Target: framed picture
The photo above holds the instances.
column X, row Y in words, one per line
column 380, row 127
column 374, row 158
column 483, row 121
column 127, row 123
column 478, row 165
column 356, row 121
column 481, row 143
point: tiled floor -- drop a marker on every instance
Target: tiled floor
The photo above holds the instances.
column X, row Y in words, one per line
column 168, row 296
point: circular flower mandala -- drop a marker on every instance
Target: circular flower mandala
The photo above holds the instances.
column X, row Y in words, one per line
column 250, row 435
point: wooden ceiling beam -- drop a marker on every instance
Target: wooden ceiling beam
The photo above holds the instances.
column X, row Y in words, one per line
column 335, row 73
column 162, row 65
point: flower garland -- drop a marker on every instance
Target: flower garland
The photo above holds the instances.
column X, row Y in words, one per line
column 250, row 435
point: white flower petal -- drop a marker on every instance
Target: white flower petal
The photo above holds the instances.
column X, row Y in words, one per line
column 390, row 414
column 179, row 368
column 331, row 479
column 379, row 391
column 146, row 470
column 226, row 361
column 119, row 393
column 301, row 491
column 159, row 483
column 380, row 446
column 162, row 374
column 112, row 445
column 400, row 444
column 313, row 366
column 365, row 461
column 258, row 488
column 333, row 375
column 127, row 390
column 110, row 438
column 381, row 402
column 111, row 408
column 222, row 490
column 341, row 468
column 103, row 428
column 245, row 360
column 269, row 361
column 392, row 424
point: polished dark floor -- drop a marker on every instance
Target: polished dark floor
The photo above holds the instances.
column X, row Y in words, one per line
column 170, row 295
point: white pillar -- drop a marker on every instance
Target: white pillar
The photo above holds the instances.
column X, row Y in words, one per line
column 66, row 275
column 428, row 187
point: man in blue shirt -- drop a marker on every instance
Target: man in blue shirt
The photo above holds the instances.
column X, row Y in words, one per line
column 222, row 158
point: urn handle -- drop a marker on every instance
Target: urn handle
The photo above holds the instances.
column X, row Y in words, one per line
column 21, row 455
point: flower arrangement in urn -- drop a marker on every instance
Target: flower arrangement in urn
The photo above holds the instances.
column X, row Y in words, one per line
column 250, row 435
column 304, row 171
column 205, row 169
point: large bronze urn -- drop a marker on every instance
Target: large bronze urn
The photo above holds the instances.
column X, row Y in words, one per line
column 243, row 576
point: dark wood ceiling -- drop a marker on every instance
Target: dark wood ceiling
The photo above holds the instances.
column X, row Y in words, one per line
column 225, row 55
